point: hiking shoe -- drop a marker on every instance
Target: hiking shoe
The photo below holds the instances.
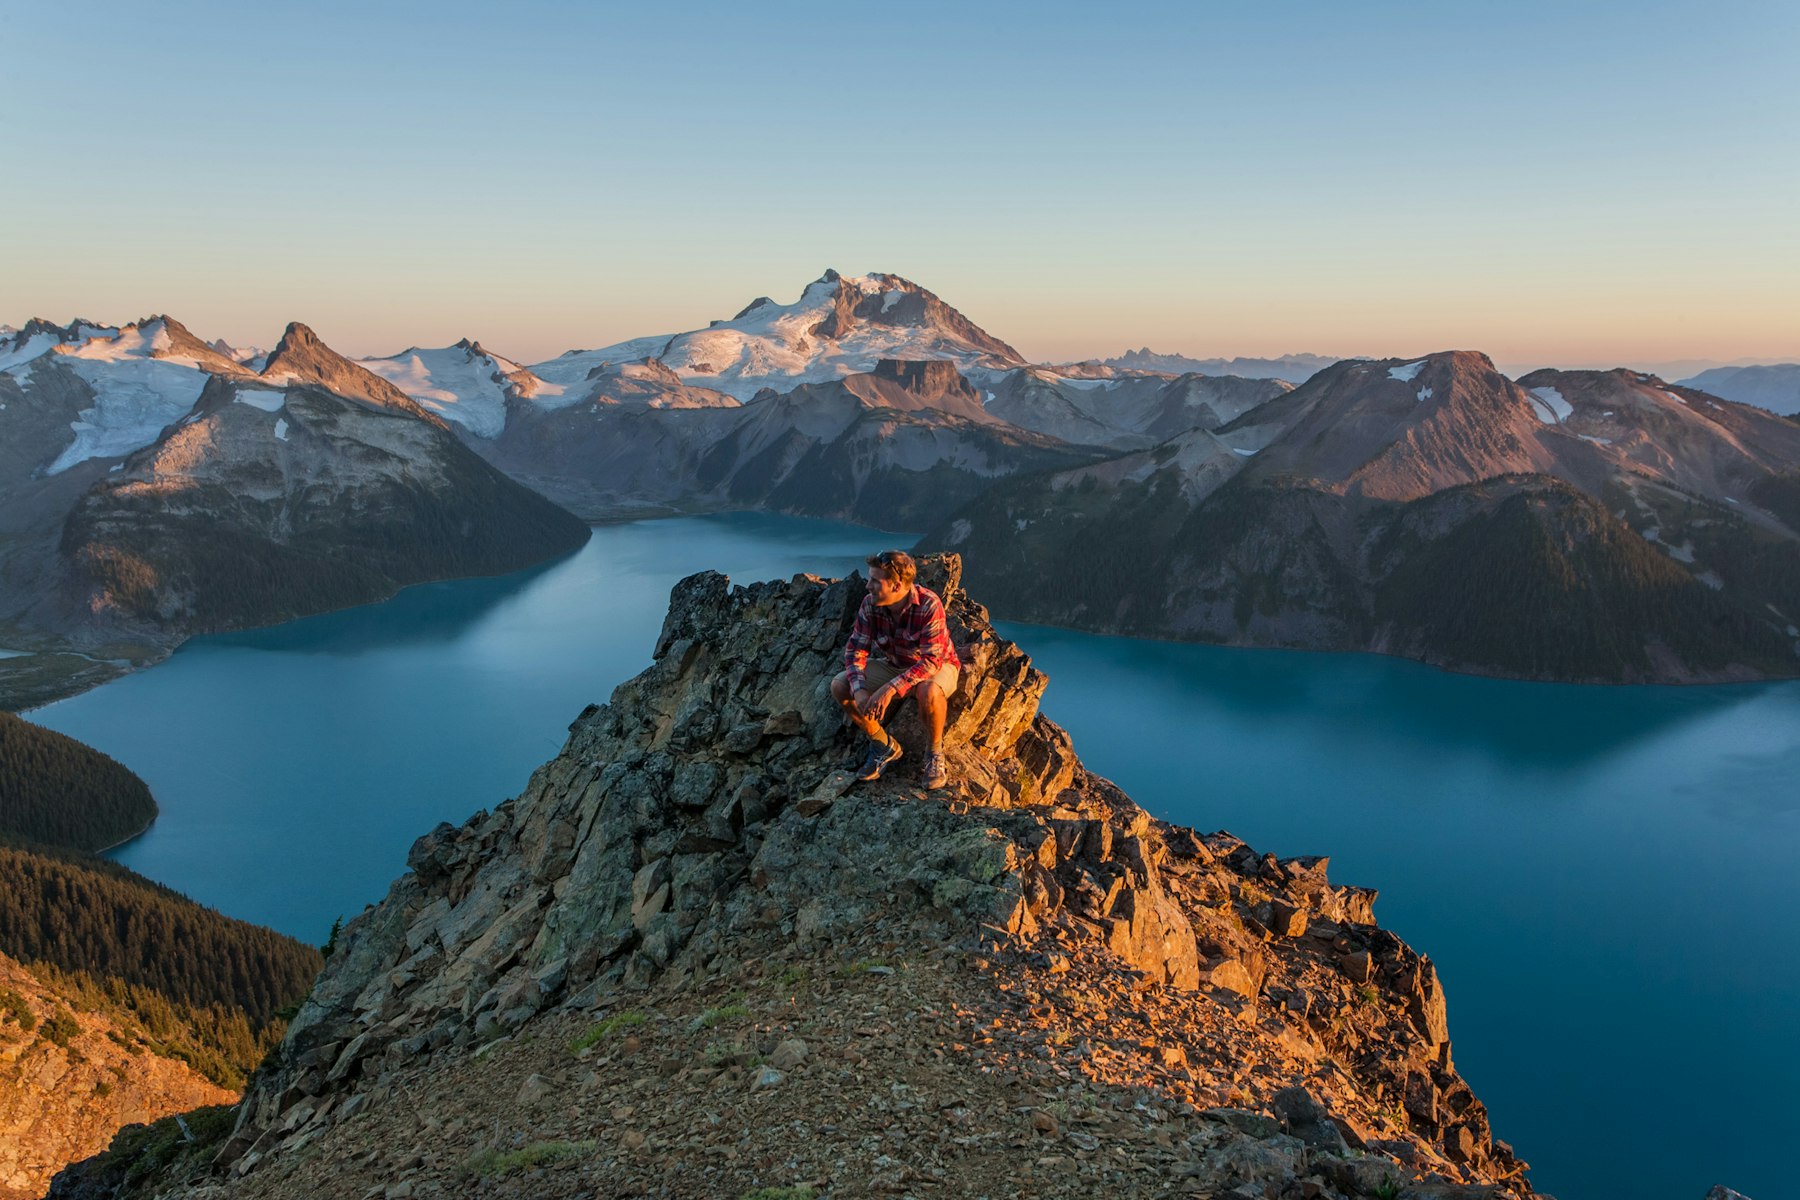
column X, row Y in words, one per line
column 878, row 759
column 937, row 772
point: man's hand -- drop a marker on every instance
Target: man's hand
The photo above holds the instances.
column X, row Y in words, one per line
column 873, row 705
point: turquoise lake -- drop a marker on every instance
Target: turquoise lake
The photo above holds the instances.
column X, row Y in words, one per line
column 1605, row 877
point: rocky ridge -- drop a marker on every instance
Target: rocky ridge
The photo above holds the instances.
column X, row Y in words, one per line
column 1022, row 983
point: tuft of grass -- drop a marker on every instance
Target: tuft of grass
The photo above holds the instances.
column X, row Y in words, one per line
column 725, row 1012
column 1387, row 1189
column 536, row 1154
column 794, row 977
column 605, row 1029
column 1368, row 993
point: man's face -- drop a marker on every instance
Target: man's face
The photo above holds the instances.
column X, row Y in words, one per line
column 884, row 588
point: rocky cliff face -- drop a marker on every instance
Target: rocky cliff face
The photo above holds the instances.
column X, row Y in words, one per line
column 69, row 1079
column 691, row 957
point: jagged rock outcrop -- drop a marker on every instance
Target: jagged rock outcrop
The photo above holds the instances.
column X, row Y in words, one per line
column 695, row 832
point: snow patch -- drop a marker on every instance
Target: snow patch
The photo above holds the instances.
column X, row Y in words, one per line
column 150, row 340
column 261, row 398
column 1245, row 453
column 1020, row 525
column 467, row 388
column 1549, row 400
column 773, row 345
column 1711, row 580
column 135, row 399
column 959, row 530
column 281, row 428
column 21, row 374
column 35, row 345
column 890, row 299
column 1683, row 553
column 1675, row 398
column 1406, row 373
column 1424, row 395
column 5, row 653
column 1597, row 441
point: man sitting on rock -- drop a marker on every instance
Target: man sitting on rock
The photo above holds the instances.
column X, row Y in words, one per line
column 903, row 624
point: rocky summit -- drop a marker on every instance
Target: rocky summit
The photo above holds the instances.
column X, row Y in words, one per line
column 692, row 959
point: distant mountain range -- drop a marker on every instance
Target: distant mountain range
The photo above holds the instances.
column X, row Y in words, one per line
column 1775, row 387
column 1573, row 525
column 1294, row 368
column 153, row 485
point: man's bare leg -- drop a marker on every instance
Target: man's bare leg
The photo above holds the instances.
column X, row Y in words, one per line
column 933, row 707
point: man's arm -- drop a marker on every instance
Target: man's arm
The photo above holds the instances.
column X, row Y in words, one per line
column 856, row 650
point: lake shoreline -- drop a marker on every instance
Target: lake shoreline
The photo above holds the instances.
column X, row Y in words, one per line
column 43, row 698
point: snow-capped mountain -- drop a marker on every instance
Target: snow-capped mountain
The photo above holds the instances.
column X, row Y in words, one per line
column 135, row 380
column 472, row 387
column 151, row 486
column 840, row 325
column 268, row 502
column 464, row 383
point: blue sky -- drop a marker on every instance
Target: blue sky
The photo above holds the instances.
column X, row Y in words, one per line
column 1573, row 184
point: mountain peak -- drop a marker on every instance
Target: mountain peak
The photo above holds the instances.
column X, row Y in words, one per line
column 839, row 326
column 300, row 357
column 295, row 338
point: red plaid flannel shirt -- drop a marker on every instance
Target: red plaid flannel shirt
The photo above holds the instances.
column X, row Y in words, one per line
column 911, row 637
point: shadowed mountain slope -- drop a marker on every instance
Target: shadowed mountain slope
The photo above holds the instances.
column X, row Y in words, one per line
column 899, row 445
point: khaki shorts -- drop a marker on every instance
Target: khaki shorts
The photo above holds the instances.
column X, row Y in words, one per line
column 877, row 674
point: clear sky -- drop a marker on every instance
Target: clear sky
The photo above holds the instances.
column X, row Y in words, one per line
column 1586, row 183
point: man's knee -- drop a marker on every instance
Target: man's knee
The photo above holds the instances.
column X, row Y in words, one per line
column 840, row 687
column 930, row 695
